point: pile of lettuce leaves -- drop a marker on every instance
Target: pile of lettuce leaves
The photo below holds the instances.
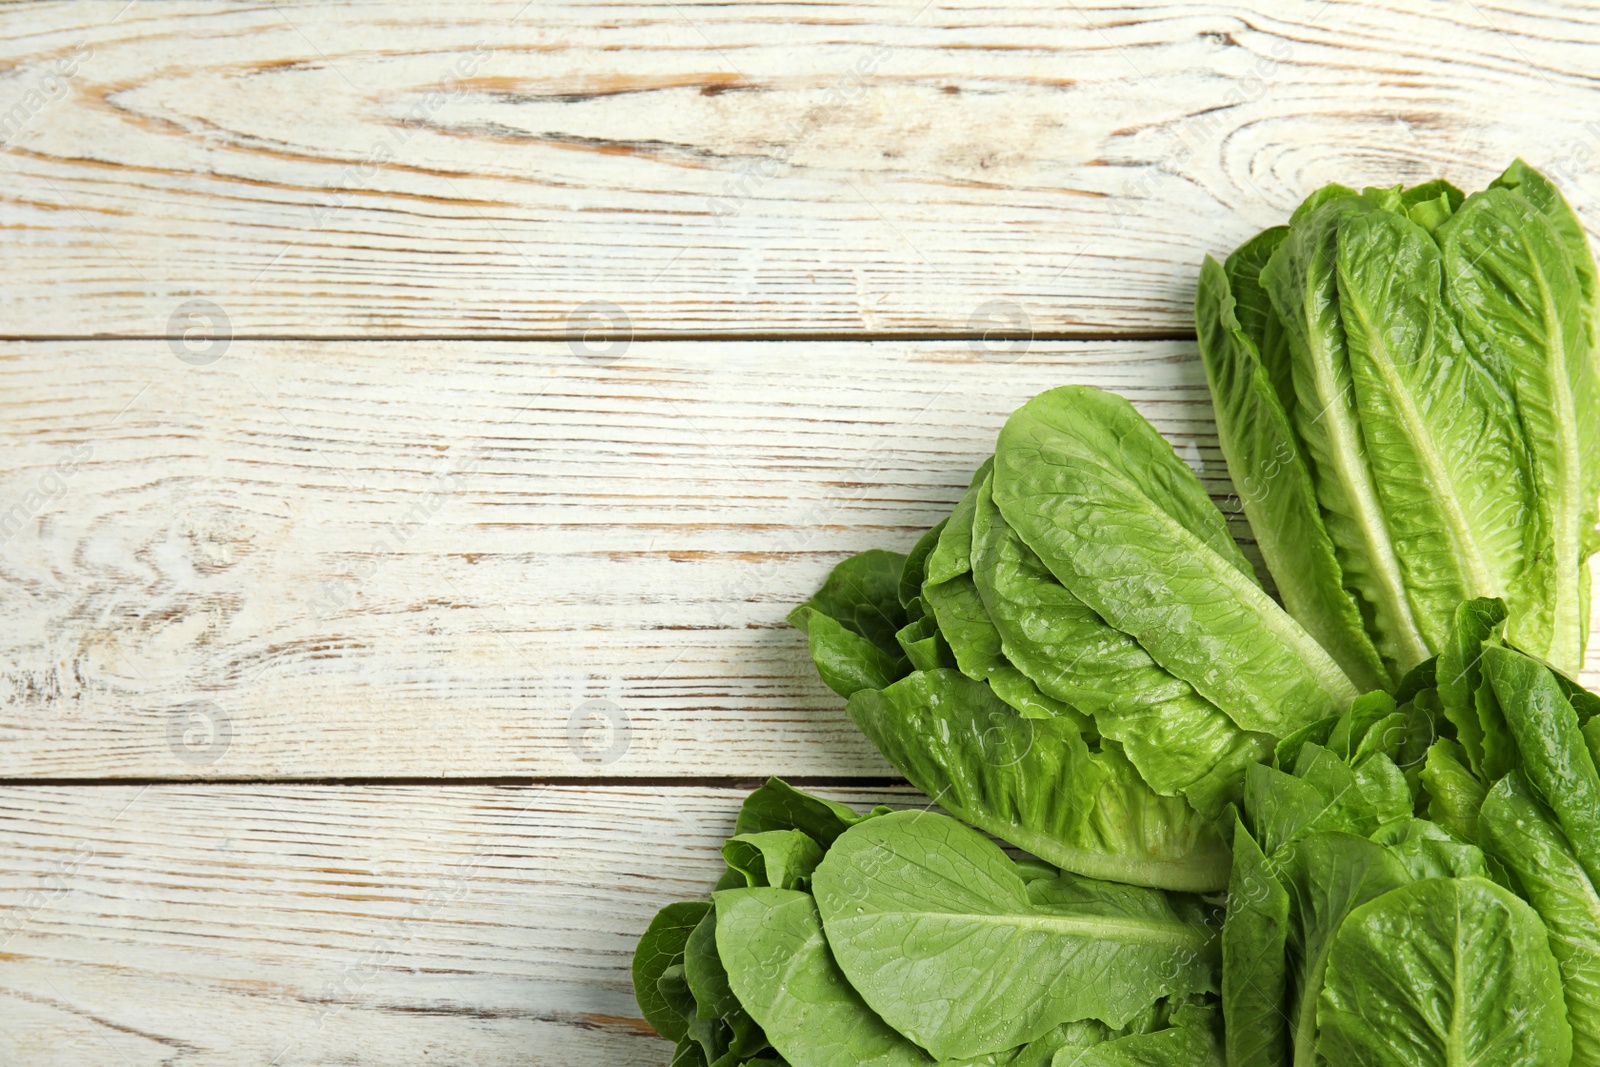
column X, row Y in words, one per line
column 1331, row 802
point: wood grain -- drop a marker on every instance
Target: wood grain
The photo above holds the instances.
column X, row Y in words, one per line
column 428, row 558
column 315, row 925
column 316, row 170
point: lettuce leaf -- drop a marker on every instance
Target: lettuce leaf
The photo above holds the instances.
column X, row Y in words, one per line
column 1521, row 832
column 933, row 925
column 1124, row 524
column 1036, row 784
column 1271, row 476
column 1447, row 972
column 1179, row 741
column 1301, row 280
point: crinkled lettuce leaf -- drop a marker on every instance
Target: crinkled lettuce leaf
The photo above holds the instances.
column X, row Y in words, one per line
column 852, row 622
column 1123, row 523
column 1035, row 783
column 1301, row 279
column 1179, row 741
column 1266, row 459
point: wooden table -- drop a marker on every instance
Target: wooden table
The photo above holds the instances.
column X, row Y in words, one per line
column 422, row 417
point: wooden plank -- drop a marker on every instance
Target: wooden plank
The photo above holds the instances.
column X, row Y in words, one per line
column 312, row 170
column 430, row 558
column 292, row 926
column 477, row 559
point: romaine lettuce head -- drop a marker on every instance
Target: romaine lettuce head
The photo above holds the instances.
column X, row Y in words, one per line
column 1407, row 397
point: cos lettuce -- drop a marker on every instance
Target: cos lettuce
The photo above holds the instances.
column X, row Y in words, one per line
column 905, row 939
column 1407, row 397
column 1374, row 745
column 1092, row 652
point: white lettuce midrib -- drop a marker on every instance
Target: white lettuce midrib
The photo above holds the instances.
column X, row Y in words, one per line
column 1090, row 928
column 1415, row 428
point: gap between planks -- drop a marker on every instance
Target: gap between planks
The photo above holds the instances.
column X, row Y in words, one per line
column 645, row 336
column 735, row 782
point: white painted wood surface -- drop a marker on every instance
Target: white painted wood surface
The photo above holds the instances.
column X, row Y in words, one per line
column 234, row 925
column 340, row 169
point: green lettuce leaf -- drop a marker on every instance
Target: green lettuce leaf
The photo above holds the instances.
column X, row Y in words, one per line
column 952, row 553
column 1269, row 471
column 1512, row 286
column 915, row 570
column 1460, row 681
column 777, row 805
column 661, row 947
column 1301, row 280
column 852, row 621
column 1448, row 972
column 722, row 1028
column 964, row 622
column 923, row 644
column 783, row 859
column 1428, row 205
column 1192, row 1041
column 1255, row 964
column 780, row 966
column 845, row 660
column 1179, row 741
column 1454, row 479
column 1329, row 876
column 1036, row 784
column 1542, row 193
column 1554, row 754
column 1369, row 727
column 941, row 936
column 1256, row 316
column 1323, row 794
column 1455, row 794
column 1522, row 833
column 1427, row 850
column 1121, row 521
